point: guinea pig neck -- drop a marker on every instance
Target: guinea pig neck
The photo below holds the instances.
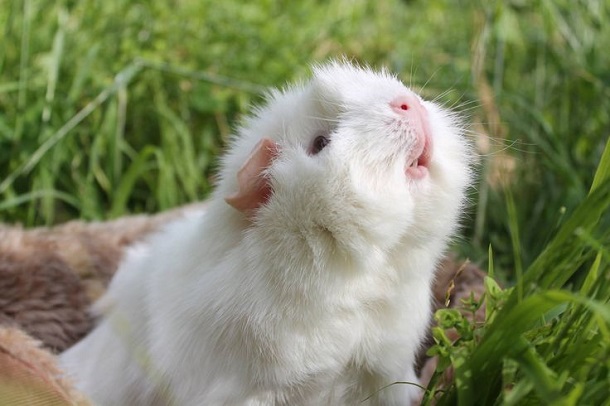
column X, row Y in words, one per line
column 309, row 268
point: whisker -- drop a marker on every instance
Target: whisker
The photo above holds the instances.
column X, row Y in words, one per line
column 470, row 103
column 429, row 79
column 441, row 95
column 501, row 145
column 411, row 73
column 467, row 110
column 508, row 147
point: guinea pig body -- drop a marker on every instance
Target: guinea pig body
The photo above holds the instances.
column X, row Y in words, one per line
column 307, row 281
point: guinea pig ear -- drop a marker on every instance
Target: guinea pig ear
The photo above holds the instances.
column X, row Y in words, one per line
column 254, row 189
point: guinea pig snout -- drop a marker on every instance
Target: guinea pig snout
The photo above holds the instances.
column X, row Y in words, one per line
column 410, row 108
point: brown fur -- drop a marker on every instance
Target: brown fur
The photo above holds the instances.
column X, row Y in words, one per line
column 50, row 276
column 29, row 374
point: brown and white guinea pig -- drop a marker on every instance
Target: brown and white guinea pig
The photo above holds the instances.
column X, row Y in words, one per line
column 308, row 279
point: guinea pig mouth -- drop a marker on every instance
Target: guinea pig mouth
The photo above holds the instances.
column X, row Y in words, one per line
column 417, row 164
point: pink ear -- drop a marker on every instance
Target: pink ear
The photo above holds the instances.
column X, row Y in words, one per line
column 254, row 189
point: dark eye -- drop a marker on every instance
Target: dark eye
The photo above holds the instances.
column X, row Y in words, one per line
column 319, row 143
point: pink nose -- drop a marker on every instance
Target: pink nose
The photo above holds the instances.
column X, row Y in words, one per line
column 410, row 107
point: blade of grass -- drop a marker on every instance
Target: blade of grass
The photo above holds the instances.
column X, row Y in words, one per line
column 178, row 148
column 204, row 76
column 23, row 68
column 53, row 66
column 125, row 187
column 513, row 228
column 36, row 195
column 545, row 381
column 603, row 170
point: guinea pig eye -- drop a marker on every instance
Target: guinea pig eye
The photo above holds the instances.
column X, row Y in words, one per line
column 319, row 143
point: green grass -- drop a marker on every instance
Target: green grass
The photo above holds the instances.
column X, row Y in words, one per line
column 116, row 107
column 546, row 340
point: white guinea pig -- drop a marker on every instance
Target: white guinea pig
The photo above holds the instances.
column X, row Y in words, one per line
column 307, row 280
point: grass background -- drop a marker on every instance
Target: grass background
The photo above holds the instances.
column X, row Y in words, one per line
column 116, row 107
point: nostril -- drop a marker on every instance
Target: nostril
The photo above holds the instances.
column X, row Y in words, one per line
column 405, row 104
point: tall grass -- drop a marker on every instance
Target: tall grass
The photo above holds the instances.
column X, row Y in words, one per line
column 113, row 107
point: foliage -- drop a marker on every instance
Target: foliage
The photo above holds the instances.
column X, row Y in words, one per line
column 543, row 341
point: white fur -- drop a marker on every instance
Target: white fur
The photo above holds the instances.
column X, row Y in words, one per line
column 322, row 298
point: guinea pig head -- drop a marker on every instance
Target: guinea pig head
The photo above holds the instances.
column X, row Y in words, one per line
column 353, row 160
